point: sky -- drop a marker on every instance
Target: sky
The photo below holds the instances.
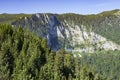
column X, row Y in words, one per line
column 58, row 6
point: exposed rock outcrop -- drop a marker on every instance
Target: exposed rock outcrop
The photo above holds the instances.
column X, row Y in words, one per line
column 70, row 35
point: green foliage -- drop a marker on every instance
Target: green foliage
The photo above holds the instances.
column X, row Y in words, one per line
column 105, row 23
column 9, row 18
column 24, row 56
column 109, row 12
column 106, row 63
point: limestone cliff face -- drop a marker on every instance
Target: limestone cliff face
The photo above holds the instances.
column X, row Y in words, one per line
column 64, row 33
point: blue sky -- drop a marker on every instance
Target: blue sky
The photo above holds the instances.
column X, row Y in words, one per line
column 58, row 6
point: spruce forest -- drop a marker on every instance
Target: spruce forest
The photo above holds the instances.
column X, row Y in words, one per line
column 26, row 56
column 61, row 41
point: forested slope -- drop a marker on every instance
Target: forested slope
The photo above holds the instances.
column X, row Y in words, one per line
column 24, row 56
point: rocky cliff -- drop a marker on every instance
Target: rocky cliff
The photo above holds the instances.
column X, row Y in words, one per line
column 74, row 32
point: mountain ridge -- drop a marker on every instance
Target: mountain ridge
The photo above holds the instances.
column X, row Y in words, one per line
column 75, row 31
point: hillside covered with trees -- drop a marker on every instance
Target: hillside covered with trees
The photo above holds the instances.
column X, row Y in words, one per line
column 24, row 56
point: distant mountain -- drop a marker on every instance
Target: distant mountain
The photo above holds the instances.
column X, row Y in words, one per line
column 9, row 18
column 74, row 32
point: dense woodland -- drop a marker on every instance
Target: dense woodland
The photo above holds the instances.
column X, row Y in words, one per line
column 25, row 56
column 106, row 63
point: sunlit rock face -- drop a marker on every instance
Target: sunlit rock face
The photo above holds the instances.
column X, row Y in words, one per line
column 72, row 36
